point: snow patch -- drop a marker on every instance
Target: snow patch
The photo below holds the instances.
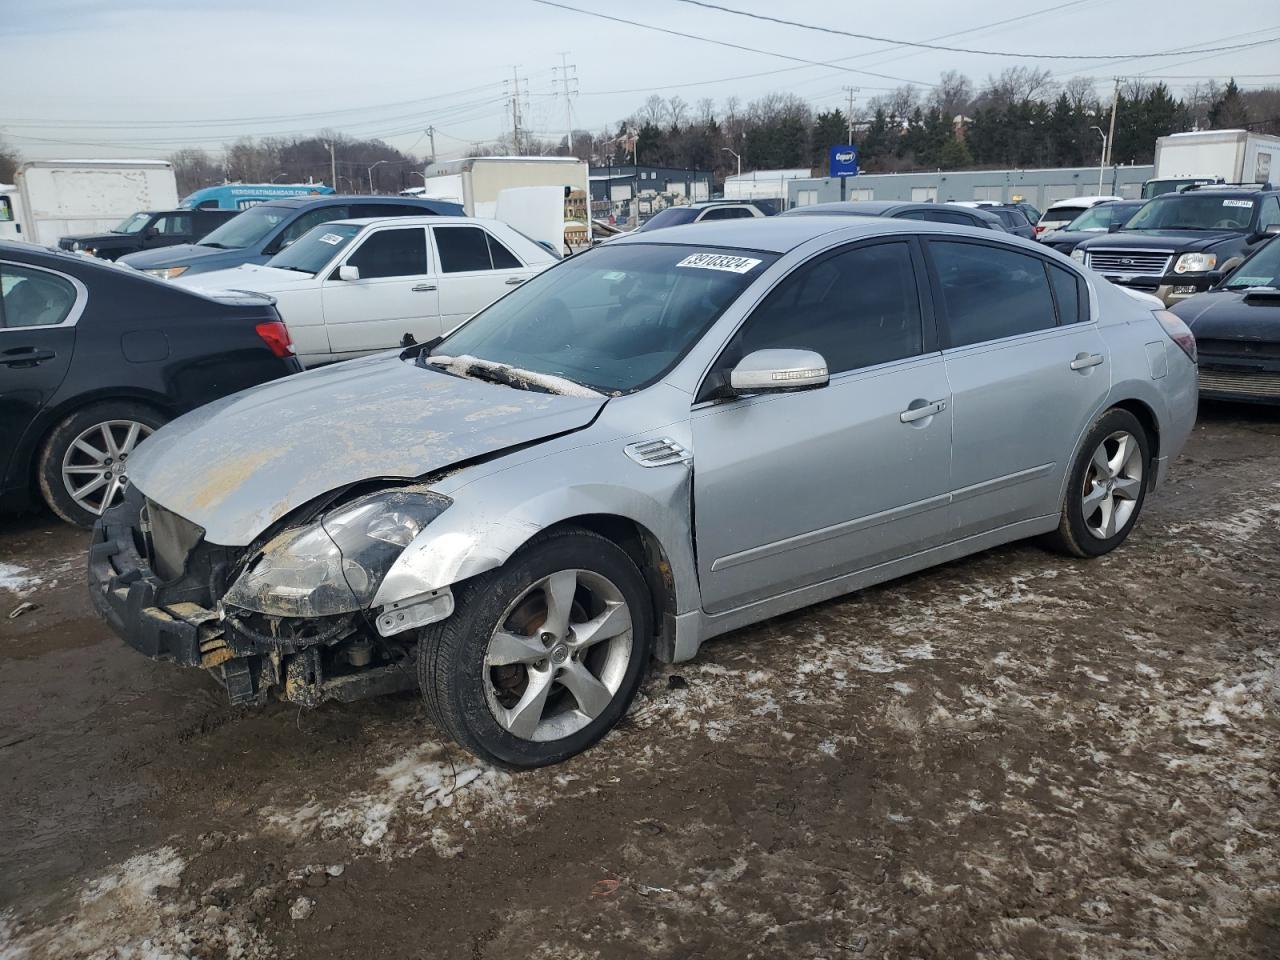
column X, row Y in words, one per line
column 17, row 579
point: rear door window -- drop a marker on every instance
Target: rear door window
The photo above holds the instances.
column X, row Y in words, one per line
column 991, row 292
column 33, row 298
column 463, row 249
column 726, row 213
column 391, row 253
column 1068, row 294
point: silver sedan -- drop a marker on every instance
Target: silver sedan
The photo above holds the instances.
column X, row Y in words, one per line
column 663, row 439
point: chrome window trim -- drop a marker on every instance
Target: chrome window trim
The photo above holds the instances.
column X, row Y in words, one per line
column 77, row 308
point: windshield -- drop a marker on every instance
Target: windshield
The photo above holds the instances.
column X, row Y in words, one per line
column 132, row 224
column 670, row 217
column 615, row 318
column 310, row 252
column 247, row 228
column 1260, row 270
column 1095, row 218
column 1193, row 211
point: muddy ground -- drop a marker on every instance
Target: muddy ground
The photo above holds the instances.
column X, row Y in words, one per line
column 1015, row 755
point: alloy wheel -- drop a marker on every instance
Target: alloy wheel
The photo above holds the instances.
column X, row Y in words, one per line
column 94, row 466
column 1112, row 485
column 558, row 656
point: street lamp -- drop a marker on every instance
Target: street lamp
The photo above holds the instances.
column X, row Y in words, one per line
column 736, row 157
column 1102, row 161
column 421, row 174
column 377, row 163
column 282, row 173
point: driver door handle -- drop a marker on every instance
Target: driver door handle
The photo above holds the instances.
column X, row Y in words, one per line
column 911, row 414
column 514, row 281
column 423, row 288
column 25, row 357
column 1084, row 361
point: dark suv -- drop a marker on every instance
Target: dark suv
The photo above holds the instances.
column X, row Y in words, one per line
column 1180, row 244
column 260, row 232
column 147, row 230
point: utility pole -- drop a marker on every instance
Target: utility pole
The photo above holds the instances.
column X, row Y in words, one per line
column 515, row 110
column 333, row 168
column 851, row 91
column 1111, row 136
column 570, row 82
column 431, row 132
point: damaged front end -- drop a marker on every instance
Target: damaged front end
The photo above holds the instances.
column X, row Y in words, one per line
column 289, row 615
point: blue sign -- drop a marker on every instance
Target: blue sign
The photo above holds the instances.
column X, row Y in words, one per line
column 844, row 161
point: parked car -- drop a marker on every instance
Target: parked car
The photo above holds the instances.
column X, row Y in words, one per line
column 1014, row 220
column 654, row 442
column 899, row 210
column 147, row 230
column 94, row 358
column 1106, row 217
column 1180, row 244
column 259, row 233
column 352, row 287
column 1064, row 211
column 703, row 212
column 1237, row 330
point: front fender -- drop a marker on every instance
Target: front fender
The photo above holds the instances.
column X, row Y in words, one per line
column 495, row 516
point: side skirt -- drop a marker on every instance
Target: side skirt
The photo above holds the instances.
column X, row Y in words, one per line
column 696, row 627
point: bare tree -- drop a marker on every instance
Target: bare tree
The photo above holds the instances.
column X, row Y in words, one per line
column 952, row 94
column 1081, row 93
column 677, row 111
column 706, row 111
column 9, row 162
column 1018, row 85
column 653, row 110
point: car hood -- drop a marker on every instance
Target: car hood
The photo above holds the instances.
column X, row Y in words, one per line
column 260, row 279
column 1182, row 241
column 100, row 239
column 179, row 255
column 237, row 465
column 1228, row 315
column 1067, row 239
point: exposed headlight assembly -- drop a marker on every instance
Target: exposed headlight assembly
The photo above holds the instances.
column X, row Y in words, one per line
column 1195, row 262
column 336, row 564
column 167, row 273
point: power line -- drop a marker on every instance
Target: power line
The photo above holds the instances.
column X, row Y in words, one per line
column 725, row 43
column 935, row 46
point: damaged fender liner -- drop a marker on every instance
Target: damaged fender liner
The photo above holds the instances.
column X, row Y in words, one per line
column 131, row 598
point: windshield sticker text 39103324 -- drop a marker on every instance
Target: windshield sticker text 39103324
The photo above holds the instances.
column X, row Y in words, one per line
column 718, row 261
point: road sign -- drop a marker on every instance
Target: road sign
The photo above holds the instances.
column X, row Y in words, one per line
column 844, row 161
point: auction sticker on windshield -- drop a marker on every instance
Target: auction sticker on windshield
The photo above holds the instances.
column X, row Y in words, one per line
column 1237, row 203
column 332, row 238
column 718, row 261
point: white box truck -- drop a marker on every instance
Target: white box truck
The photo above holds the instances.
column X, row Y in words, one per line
column 1209, row 156
column 478, row 182
column 54, row 198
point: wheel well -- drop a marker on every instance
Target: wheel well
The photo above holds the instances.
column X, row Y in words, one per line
column 646, row 551
column 1147, row 418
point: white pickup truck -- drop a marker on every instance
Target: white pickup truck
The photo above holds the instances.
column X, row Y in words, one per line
column 353, row 287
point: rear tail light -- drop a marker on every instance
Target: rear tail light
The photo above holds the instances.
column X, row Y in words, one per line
column 1178, row 332
column 1040, row 229
column 276, row 336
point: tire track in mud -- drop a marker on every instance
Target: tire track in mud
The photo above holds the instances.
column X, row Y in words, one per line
column 1012, row 755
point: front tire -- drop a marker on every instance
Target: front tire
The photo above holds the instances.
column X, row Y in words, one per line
column 542, row 656
column 1106, row 488
column 82, row 465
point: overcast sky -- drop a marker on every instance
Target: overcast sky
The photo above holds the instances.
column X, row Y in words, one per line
column 143, row 77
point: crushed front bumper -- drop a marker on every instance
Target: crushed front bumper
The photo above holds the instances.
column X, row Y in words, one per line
column 175, row 620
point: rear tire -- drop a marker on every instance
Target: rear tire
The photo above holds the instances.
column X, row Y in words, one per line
column 1106, row 488
column 92, row 446
column 504, row 679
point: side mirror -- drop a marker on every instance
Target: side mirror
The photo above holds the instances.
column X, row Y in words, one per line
column 1267, row 232
column 779, row 371
column 348, row 272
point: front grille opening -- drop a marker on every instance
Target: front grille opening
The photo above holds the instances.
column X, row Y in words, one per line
column 172, row 541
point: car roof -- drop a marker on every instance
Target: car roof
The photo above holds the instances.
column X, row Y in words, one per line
column 423, row 220
column 1089, row 201
column 782, row 234
column 338, row 199
column 881, row 208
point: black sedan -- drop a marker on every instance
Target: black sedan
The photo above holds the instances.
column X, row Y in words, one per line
column 901, row 210
column 1237, row 328
column 94, row 357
